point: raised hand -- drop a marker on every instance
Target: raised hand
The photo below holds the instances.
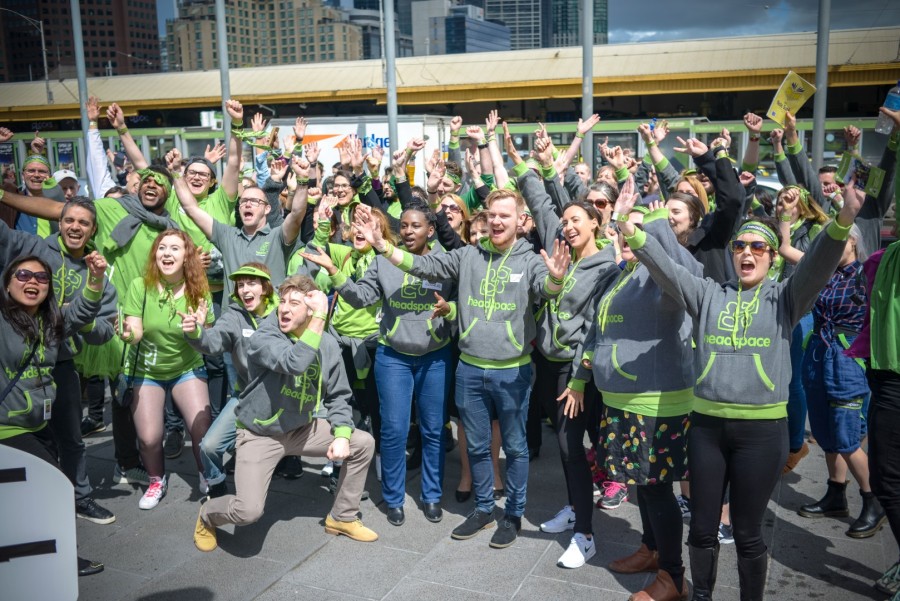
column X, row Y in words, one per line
column 557, row 263
column 789, row 201
column 96, row 265
column 661, row 130
column 585, row 126
column 115, row 116
column 441, row 307
column 455, row 124
column 432, row 161
column 235, row 109
column 277, row 170
column 691, row 146
column 645, row 132
column 92, row 106
column 344, row 152
column 415, row 144
column 511, row 151
column 472, row 165
column 300, row 167
column 368, row 227
column 300, row 125
column 776, row 135
column 373, row 160
column 320, row 258
column 37, row 144
column 614, row 156
column 475, row 134
column 314, row 195
column 725, row 136
column 894, row 115
column 753, row 123
column 355, row 153
column 5, row 135
column 627, row 197
column 852, row 135
column 491, row 122
column 174, row 160
column 258, row 123
column 544, row 149
column 311, row 151
column 746, row 178
column 216, row 153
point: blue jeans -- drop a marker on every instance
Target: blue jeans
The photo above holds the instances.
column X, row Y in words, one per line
column 218, row 439
column 400, row 379
column 483, row 395
column 796, row 407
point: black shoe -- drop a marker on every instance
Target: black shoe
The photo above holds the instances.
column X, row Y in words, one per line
column 499, row 493
column 88, row 509
column 218, row 490
column 86, row 567
column 507, row 532
column 475, row 523
column 752, row 577
column 433, row 512
column 395, row 516
column 173, row 444
column 333, row 485
column 449, row 442
column 463, row 495
column 870, row 519
column 289, row 468
column 534, row 454
column 832, row 505
column 90, row 426
column 704, row 568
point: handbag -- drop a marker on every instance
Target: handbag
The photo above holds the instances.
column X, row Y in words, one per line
column 127, row 395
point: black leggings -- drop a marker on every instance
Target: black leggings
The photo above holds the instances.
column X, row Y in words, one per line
column 365, row 395
column 884, row 444
column 551, row 380
column 746, row 455
column 661, row 521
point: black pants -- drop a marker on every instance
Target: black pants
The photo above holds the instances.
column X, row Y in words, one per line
column 65, row 426
column 40, row 444
column 746, row 455
column 124, row 434
column 661, row 521
column 96, row 395
column 550, row 381
column 365, row 393
column 884, row 443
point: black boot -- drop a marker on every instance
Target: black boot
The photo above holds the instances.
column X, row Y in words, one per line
column 870, row 519
column 832, row 505
column 752, row 576
column 704, row 567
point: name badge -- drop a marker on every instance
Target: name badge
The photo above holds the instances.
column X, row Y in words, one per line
column 431, row 285
column 48, row 405
column 247, row 332
column 515, row 278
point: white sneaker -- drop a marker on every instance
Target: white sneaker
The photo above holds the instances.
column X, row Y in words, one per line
column 328, row 469
column 204, row 485
column 155, row 492
column 562, row 521
column 580, row 550
column 378, row 466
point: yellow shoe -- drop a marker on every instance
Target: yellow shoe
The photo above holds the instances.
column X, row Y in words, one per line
column 204, row 538
column 354, row 529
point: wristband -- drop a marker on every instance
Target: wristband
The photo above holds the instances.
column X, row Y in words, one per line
column 303, row 181
column 388, row 249
column 130, row 338
column 432, row 191
column 622, row 218
column 754, row 138
column 786, row 218
column 555, row 280
column 720, row 152
column 491, row 138
column 94, row 279
column 122, row 130
column 320, row 315
column 579, row 135
column 92, row 123
column 237, row 124
column 651, row 143
column 410, row 152
column 482, row 146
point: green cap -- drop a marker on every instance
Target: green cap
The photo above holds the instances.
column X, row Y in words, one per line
column 249, row 271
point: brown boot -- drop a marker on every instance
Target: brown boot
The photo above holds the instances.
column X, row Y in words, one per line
column 794, row 458
column 662, row 589
column 642, row 560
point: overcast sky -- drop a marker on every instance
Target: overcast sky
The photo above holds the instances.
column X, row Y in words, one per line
column 631, row 21
column 667, row 20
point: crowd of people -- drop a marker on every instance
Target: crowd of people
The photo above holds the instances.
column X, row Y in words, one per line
column 645, row 313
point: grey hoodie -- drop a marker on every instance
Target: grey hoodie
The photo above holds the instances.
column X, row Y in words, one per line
column 408, row 302
column 28, row 406
column 639, row 343
column 743, row 336
column 497, row 291
column 291, row 383
column 563, row 322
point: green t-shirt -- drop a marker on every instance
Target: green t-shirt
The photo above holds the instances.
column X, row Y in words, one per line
column 130, row 261
column 164, row 353
column 217, row 205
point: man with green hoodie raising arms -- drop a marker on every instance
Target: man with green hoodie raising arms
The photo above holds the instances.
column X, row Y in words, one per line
column 500, row 280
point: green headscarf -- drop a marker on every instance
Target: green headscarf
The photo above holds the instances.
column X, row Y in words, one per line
column 158, row 177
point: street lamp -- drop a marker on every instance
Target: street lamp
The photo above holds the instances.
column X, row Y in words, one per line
column 40, row 27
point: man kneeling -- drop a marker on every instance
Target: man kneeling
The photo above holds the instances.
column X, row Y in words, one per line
column 297, row 403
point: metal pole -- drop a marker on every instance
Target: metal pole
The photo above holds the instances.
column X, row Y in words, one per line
column 44, row 54
column 222, row 38
column 587, row 77
column 821, row 98
column 82, row 78
column 390, row 73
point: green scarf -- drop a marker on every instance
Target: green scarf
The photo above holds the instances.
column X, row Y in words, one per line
column 884, row 311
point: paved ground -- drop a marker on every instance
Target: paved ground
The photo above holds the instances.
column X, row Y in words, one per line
column 149, row 555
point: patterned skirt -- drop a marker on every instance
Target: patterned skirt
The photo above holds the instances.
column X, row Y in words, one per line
column 641, row 449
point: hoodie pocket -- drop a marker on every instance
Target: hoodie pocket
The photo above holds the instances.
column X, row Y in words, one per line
column 732, row 373
column 553, row 336
column 26, row 410
column 468, row 330
column 616, row 366
column 270, row 421
column 512, row 336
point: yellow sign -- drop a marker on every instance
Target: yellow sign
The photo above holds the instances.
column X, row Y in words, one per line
column 793, row 94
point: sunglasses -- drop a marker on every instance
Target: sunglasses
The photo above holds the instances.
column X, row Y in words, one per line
column 452, row 208
column 757, row 248
column 600, row 203
column 25, row 275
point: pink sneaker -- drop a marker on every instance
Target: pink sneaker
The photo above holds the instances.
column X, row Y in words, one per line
column 155, row 492
column 614, row 494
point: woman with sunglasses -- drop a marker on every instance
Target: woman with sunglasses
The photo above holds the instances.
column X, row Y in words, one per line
column 34, row 327
column 638, row 351
column 560, row 332
column 457, row 214
column 742, row 330
column 162, row 362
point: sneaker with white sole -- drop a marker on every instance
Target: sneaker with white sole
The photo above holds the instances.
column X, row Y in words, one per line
column 614, row 494
column 203, row 485
column 327, row 469
column 562, row 521
column 155, row 492
column 684, row 504
column 581, row 549
column 133, row 475
column 726, row 536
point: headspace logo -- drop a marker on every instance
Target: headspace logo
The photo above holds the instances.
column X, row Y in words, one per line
column 492, row 305
column 738, row 342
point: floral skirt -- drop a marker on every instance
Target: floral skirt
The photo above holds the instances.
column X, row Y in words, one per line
column 642, row 449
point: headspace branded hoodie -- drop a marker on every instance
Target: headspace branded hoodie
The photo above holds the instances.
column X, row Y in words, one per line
column 563, row 322
column 293, row 382
column 231, row 334
column 639, row 344
column 743, row 336
column 497, row 290
column 407, row 303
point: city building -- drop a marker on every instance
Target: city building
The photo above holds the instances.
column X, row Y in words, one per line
column 367, row 15
column 465, row 30
column 120, row 38
column 546, row 23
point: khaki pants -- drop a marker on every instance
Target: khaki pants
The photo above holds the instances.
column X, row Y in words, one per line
column 257, row 457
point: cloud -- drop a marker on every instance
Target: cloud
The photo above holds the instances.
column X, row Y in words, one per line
column 636, row 22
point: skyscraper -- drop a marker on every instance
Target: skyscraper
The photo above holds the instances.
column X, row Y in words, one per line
column 546, row 23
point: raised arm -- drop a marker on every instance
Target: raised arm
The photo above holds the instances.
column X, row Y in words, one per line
column 782, row 166
column 581, row 130
column 231, row 174
column 203, row 219
column 117, row 119
column 290, row 229
column 97, row 167
column 36, row 206
column 538, row 200
column 501, row 177
column 453, row 152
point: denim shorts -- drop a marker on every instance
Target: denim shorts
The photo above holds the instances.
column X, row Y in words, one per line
column 198, row 373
